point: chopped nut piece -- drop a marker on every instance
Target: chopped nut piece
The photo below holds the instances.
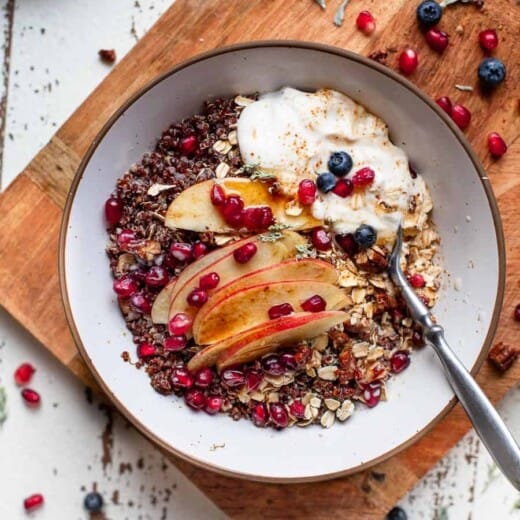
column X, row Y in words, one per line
column 315, row 402
column 345, row 410
column 332, row 404
column 157, row 188
column 329, row 373
column 242, row 101
column 502, row 356
column 222, row 147
column 327, row 419
column 232, row 137
column 222, row 170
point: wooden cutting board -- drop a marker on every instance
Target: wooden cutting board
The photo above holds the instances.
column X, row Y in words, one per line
column 31, row 207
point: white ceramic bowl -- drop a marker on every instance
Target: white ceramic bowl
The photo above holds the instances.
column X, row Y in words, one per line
column 465, row 213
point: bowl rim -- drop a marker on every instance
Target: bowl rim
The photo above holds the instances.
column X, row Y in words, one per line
column 304, row 45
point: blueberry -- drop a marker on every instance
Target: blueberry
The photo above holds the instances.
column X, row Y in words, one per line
column 340, row 163
column 429, row 13
column 93, row 502
column 365, row 236
column 491, row 72
column 326, row 182
column 397, row 513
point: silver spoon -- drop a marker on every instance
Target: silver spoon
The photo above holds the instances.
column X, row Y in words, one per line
column 486, row 421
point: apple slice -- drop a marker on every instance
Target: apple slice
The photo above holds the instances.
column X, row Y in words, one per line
column 161, row 305
column 193, row 209
column 247, row 307
column 228, row 268
column 266, row 337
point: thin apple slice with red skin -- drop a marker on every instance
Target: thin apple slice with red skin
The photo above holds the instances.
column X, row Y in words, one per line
column 161, row 304
column 266, row 337
column 248, row 307
column 193, row 209
column 228, row 268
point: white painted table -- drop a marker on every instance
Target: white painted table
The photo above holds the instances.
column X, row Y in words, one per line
column 52, row 65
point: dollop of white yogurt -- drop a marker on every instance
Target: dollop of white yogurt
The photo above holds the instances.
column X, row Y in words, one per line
column 291, row 134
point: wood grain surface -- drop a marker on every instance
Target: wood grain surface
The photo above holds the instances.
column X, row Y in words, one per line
column 31, row 207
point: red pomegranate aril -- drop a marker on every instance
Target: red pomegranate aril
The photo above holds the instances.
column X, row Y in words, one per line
column 516, row 313
column 218, row 195
column 365, row 22
column 181, row 378
column 23, row 374
column 279, row 415
column 272, row 365
column 113, row 211
column 408, row 62
column 253, row 379
column 297, row 409
column 197, row 298
column 277, row 311
column 417, row 281
column 364, row 177
column 347, row 243
column 314, row 304
column 417, row 339
column 343, row 188
column 140, row 303
column 445, row 103
column 233, row 378
column 399, row 361
column 124, row 237
column 257, row 219
column 125, row 286
column 145, row 350
column 175, row 343
column 31, row 397
column 209, row 281
column 307, row 192
column 180, row 324
column 188, row 145
column 199, row 250
column 461, row 115
column 288, row 361
column 321, row 239
column 156, row 276
column 260, row 415
column 232, row 211
column 372, row 394
column 488, row 39
column 195, row 398
column 243, row 254
column 181, row 251
column 213, row 404
column 33, row 502
column 204, row 377
column 437, row 40
column 496, row 145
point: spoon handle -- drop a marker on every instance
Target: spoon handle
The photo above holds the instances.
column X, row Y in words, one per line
column 486, row 421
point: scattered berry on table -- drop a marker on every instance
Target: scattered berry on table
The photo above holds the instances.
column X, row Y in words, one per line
column 314, row 304
column 93, row 502
column 517, row 312
column 399, row 361
column 140, row 303
column 213, row 404
column 496, row 145
column 204, row 377
column 175, row 343
column 417, row 281
column 364, row 177
column 199, row 250
column 195, row 398
column 297, row 409
column 243, row 254
column 180, row 324
column 347, row 242
column 23, row 374
column 181, row 378
column 197, row 298
column 321, row 239
column 253, row 379
column 233, row 211
column 461, row 115
column 326, row 182
column 181, row 251
column 260, row 415
column 445, row 103
column 258, row 218
column 340, row 163
column 488, row 39
column 438, row 40
column 343, row 188
column 279, row 415
column 273, row 365
column 33, row 502
column 145, row 350
column 306, row 192
column 156, row 276
column 429, row 13
column 209, row 281
column 365, row 22
column 365, row 236
column 31, row 397
column 217, row 195
column 408, row 62
column 372, row 394
column 277, row 311
column 188, row 145
column 491, row 72
column 113, row 211
column 397, row 513
column 233, row 378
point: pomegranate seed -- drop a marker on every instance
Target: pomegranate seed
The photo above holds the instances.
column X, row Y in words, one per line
column 347, row 243
column 437, row 40
column 140, row 303
column 23, row 374
column 195, row 398
column 272, row 365
column 197, row 298
column 232, row 211
column 113, row 211
column 417, row 281
column 188, row 145
column 279, row 415
column 233, row 378
column 175, row 343
column 124, row 237
column 204, row 377
column 243, row 254
column 125, row 286
column 145, row 350
column 181, row 378
column 33, row 502
column 365, row 22
column 417, row 339
column 288, row 361
column 314, row 304
column 258, row 219
column 517, row 312
column 408, row 61
column 209, row 281
column 213, row 404
column 461, row 115
column 297, row 409
column 277, row 311
column 320, row 239
column 181, row 251
column 363, row 177
column 343, row 188
column 260, row 416
column 445, row 103
column 156, row 276
column 218, row 196
column 372, row 394
column 180, row 324
column 488, row 39
column 199, row 250
column 253, row 379
column 306, row 192
column 31, row 397
column 399, row 361
column 496, row 145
